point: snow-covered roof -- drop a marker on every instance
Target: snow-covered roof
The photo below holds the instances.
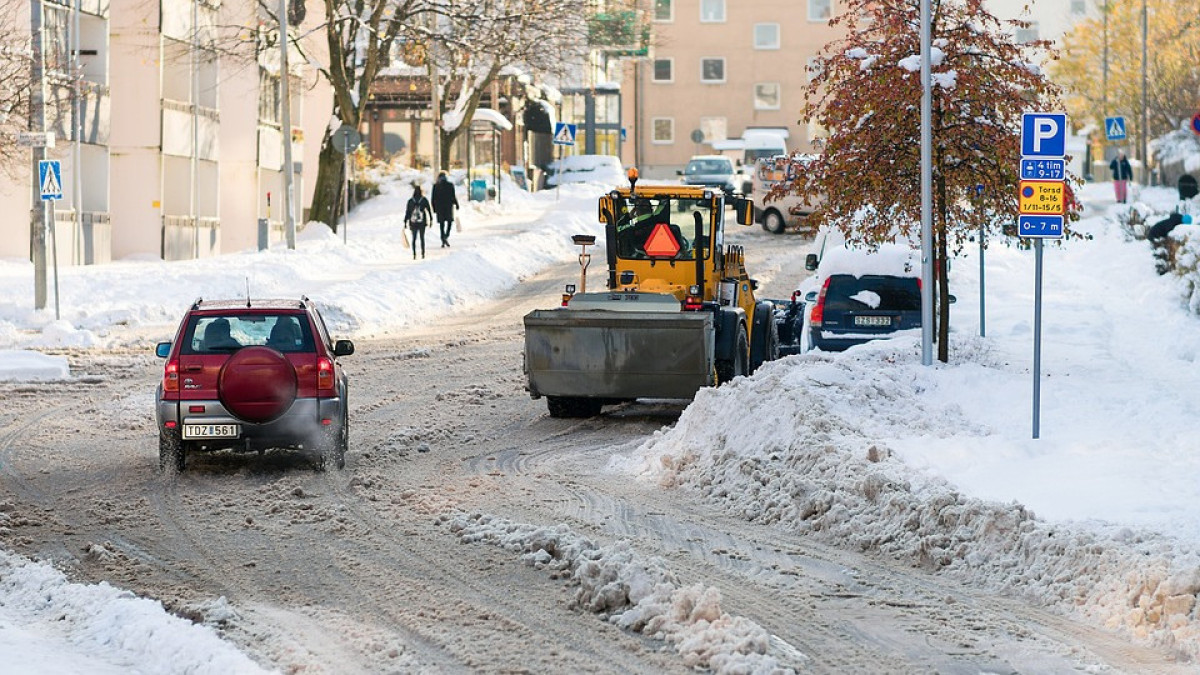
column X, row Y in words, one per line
column 493, row 116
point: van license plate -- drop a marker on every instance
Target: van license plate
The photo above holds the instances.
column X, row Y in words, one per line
column 873, row 321
column 212, row 430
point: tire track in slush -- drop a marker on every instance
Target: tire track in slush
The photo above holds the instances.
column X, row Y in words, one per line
column 496, row 597
column 321, row 581
column 865, row 608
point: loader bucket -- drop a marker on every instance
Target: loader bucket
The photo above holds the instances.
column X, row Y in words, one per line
column 618, row 355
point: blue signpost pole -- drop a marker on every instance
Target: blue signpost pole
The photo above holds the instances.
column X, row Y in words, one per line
column 1037, row 339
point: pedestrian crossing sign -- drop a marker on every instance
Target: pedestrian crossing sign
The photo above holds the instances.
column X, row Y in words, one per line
column 564, row 134
column 50, row 179
column 1114, row 128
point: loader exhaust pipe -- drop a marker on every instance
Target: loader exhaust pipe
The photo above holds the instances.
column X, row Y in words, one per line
column 583, row 241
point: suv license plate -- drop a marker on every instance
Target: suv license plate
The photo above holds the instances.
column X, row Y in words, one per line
column 212, row 430
column 872, row 321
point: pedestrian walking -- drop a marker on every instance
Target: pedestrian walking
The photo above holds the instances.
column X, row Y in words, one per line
column 1122, row 173
column 417, row 215
column 444, row 203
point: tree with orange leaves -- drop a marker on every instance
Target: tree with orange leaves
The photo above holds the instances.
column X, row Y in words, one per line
column 866, row 95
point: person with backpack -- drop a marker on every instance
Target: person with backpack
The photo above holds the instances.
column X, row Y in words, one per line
column 417, row 215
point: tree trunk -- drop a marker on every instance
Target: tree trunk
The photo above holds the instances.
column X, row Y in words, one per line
column 447, row 142
column 941, row 274
column 942, row 280
column 327, row 197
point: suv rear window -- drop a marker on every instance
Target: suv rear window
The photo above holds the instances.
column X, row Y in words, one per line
column 219, row 334
column 848, row 293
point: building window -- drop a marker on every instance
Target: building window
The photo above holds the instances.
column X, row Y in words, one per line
column 766, row 36
column 712, row 11
column 269, row 97
column 663, row 130
column 712, row 70
column 1078, row 7
column 766, row 96
column 664, row 10
column 56, row 40
column 1027, row 35
column 820, row 10
column 664, row 70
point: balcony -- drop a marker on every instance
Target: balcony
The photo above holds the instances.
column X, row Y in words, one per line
column 177, row 131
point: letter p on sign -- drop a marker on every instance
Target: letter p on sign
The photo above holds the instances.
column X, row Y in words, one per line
column 1044, row 135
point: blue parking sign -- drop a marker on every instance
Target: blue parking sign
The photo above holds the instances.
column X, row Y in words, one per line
column 1044, row 135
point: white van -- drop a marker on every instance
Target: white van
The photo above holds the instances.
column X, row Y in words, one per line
column 789, row 213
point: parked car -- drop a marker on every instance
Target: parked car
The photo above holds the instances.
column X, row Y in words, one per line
column 251, row 375
column 603, row 169
column 712, row 171
column 791, row 212
column 857, row 295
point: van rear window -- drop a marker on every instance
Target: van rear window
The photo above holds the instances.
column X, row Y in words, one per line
column 848, row 293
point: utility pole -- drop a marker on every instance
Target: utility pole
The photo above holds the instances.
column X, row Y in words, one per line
column 77, row 123
column 194, row 201
column 37, row 124
column 926, row 189
column 285, row 121
column 1145, row 123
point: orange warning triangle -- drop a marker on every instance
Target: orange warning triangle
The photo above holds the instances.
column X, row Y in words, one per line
column 661, row 243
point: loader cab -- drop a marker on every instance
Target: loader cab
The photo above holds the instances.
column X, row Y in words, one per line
column 663, row 228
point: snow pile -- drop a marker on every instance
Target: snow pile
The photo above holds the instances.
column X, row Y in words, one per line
column 101, row 630
column 357, row 284
column 1181, row 146
column 24, row 366
column 819, row 463
column 633, row 592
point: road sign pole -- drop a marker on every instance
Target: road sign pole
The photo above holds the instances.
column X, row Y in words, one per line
column 1037, row 339
column 54, row 256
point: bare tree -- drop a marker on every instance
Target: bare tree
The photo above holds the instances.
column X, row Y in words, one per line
column 471, row 41
column 16, row 61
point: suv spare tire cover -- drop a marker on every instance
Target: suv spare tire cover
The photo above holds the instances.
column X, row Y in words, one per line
column 257, row 384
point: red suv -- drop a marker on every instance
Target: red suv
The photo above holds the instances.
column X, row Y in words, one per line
column 251, row 375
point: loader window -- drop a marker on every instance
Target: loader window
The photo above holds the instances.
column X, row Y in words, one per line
column 637, row 217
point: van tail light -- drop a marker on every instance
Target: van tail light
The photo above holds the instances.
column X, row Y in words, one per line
column 324, row 373
column 171, row 376
column 818, row 312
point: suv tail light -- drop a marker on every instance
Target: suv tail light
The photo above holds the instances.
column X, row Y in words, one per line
column 171, row 376
column 818, row 312
column 324, row 373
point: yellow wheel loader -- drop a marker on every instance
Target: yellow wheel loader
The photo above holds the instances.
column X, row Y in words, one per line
column 677, row 312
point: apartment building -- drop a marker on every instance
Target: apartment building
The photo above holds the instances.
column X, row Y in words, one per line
column 177, row 140
column 720, row 67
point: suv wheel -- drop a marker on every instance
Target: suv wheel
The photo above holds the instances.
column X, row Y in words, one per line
column 170, row 450
column 331, row 447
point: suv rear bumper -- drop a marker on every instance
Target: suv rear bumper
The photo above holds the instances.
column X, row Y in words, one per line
column 301, row 425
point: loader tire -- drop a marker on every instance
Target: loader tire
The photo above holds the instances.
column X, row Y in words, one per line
column 571, row 406
column 738, row 365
